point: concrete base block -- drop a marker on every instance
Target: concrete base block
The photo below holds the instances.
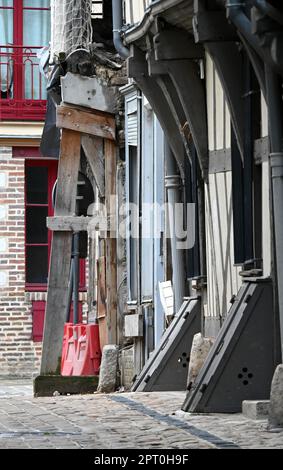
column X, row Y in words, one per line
column 55, row 385
column 276, row 399
column 256, row 409
column 108, row 369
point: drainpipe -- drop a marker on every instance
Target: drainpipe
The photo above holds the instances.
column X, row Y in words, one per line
column 274, row 99
column 173, row 185
column 236, row 14
column 117, row 14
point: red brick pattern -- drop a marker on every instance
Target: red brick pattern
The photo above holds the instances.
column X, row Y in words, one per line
column 18, row 354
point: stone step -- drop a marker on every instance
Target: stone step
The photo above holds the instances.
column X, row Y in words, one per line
column 256, row 409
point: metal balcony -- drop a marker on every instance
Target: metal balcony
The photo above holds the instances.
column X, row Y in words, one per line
column 22, row 87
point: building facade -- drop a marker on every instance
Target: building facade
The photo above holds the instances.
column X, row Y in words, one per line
column 27, row 181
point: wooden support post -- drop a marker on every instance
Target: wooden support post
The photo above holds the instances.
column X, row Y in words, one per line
column 60, row 253
column 111, row 243
column 94, row 152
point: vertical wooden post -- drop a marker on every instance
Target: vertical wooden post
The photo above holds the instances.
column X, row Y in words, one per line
column 61, row 253
column 111, row 243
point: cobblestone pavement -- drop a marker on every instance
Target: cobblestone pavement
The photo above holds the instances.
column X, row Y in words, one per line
column 126, row 420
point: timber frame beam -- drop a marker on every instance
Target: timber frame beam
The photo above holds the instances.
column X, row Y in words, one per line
column 187, row 90
column 96, row 132
column 221, row 41
column 138, row 69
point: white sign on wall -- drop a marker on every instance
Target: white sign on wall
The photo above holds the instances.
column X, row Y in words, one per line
column 3, row 279
column 3, row 245
column 3, row 212
column 3, row 180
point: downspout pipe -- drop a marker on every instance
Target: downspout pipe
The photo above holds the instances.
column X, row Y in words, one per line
column 117, row 14
column 173, row 186
column 237, row 16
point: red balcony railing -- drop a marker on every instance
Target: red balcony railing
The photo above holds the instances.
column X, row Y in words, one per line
column 22, row 87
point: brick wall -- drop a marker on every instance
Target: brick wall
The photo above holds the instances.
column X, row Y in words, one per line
column 19, row 354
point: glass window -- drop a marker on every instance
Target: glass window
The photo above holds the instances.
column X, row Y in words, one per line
column 40, row 178
column 38, row 21
column 6, row 3
column 37, row 185
column 36, row 225
column 37, row 264
column 21, row 63
column 36, row 3
column 6, row 39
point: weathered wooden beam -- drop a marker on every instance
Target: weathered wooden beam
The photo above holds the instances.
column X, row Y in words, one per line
column 158, row 70
column 77, row 224
column 60, row 254
column 94, row 151
column 173, row 44
column 228, row 62
column 111, row 244
column 213, row 26
column 88, row 122
column 68, row 224
column 191, row 92
column 138, row 69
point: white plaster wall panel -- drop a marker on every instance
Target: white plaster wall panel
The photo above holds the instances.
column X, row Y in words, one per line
column 264, row 117
column 134, row 10
column 210, row 101
column 219, row 114
column 266, row 195
column 266, row 226
column 223, row 276
column 212, row 295
column 228, row 127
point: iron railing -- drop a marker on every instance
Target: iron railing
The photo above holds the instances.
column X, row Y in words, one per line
column 22, row 87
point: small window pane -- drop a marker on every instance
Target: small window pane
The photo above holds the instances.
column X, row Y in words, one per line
column 36, row 229
column 6, row 3
column 40, row 34
column 37, row 3
column 37, row 21
column 37, row 185
column 6, row 56
column 37, row 264
column 97, row 9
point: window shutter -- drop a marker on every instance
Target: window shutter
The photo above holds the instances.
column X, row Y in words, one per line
column 38, row 312
column 132, row 122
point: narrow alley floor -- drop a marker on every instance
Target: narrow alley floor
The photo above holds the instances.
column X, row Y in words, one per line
column 119, row 421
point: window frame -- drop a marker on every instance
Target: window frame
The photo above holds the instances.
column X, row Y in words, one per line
column 18, row 107
column 52, row 166
column 52, row 175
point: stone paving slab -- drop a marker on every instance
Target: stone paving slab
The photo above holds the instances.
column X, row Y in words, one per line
column 120, row 421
